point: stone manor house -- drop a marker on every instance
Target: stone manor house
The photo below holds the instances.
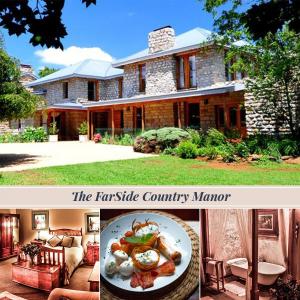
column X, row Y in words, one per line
column 179, row 81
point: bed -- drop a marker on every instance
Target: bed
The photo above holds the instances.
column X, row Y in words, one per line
column 67, row 258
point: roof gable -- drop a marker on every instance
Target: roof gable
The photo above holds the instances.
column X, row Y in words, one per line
column 89, row 68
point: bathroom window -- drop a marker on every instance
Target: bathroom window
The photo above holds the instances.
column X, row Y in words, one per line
column 186, row 72
column 142, row 78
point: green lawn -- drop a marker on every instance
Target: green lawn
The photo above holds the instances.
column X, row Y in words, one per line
column 163, row 170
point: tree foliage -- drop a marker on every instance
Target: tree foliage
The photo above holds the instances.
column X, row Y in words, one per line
column 40, row 18
column 15, row 101
column 257, row 17
column 273, row 68
column 46, row 71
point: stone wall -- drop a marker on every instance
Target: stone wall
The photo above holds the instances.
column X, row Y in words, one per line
column 109, row 89
column 161, row 76
column 161, row 73
column 131, row 81
column 210, row 67
column 161, row 39
column 261, row 116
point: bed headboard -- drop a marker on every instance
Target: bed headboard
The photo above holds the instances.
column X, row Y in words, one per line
column 66, row 231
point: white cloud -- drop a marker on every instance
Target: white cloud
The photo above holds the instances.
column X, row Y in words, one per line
column 71, row 55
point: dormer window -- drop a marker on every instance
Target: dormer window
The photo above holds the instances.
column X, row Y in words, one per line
column 142, row 78
column 92, row 91
column 65, row 90
column 186, row 71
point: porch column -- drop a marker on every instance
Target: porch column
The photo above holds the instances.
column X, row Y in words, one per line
column 179, row 114
column 92, row 124
column 254, row 288
column 88, row 124
column 53, row 117
column 112, row 123
column 143, row 118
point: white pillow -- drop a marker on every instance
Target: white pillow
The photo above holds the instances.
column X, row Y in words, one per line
column 77, row 241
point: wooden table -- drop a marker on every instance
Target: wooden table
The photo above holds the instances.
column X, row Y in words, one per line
column 43, row 277
column 95, row 278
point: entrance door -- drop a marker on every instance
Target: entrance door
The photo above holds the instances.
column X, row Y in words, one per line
column 100, row 120
column 193, row 115
column 138, row 118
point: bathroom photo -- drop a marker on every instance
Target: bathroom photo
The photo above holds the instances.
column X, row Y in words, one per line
column 249, row 254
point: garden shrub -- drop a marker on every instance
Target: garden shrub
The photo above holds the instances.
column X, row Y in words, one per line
column 170, row 151
column 187, row 150
column 126, row 140
column 31, row 134
column 10, row 138
column 171, row 136
column 215, row 137
column 289, row 147
column 227, row 152
column 158, row 140
column 273, row 151
column 210, row 152
column 197, row 137
column 242, row 150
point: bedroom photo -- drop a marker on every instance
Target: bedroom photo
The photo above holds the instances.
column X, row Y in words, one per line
column 49, row 254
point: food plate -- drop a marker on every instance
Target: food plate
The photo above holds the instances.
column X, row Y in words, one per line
column 175, row 234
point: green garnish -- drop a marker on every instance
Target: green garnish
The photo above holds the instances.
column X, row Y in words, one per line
column 139, row 240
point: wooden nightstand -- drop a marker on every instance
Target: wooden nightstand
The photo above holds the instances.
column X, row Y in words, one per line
column 92, row 254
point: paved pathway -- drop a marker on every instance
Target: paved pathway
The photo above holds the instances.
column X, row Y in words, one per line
column 18, row 157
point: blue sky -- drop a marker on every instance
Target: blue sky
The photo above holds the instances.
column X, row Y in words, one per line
column 118, row 27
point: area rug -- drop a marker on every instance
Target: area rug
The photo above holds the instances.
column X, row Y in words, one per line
column 9, row 296
column 236, row 288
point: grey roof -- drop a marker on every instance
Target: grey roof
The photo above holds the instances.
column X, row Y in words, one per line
column 210, row 90
column 187, row 41
column 90, row 68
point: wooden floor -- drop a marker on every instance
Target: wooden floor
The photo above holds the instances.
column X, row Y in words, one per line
column 79, row 281
column 212, row 294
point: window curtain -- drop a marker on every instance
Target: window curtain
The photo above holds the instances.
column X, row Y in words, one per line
column 283, row 235
column 244, row 221
column 217, row 224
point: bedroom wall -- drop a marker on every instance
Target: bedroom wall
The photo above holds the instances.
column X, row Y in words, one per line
column 7, row 211
column 58, row 218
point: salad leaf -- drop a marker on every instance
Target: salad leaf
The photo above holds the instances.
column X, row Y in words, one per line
column 139, row 240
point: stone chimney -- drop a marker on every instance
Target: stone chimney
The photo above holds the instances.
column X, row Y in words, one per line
column 161, row 39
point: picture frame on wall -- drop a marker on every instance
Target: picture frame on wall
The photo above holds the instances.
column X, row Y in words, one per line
column 92, row 222
column 40, row 219
column 268, row 222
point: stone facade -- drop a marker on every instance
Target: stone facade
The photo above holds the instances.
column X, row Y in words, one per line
column 261, row 116
column 210, row 67
column 161, row 76
column 109, row 89
column 161, row 73
column 131, row 81
column 161, row 39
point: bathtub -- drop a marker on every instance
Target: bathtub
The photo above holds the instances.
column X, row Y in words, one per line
column 267, row 272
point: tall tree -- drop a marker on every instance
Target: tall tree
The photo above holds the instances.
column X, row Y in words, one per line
column 257, row 17
column 15, row 101
column 40, row 18
column 46, row 71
